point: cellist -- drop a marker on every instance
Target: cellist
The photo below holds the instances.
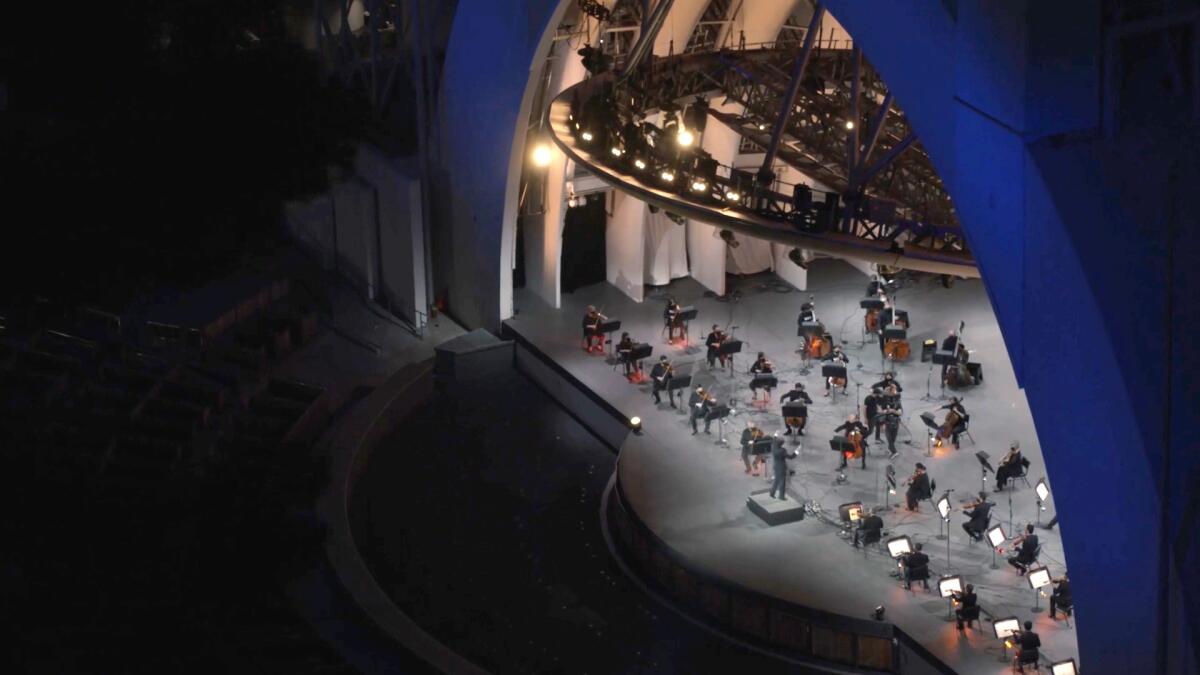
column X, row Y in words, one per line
column 952, row 424
column 854, row 432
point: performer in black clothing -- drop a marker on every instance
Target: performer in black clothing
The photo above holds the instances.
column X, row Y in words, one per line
column 625, row 348
column 796, row 394
column 968, row 606
column 710, row 402
column 889, row 380
column 779, row 458
column 916, row 567
column 979, row 514
column 669, row 314
column 1026, row 552
column 761, row 366
column 1027, row 647
column 918, row 488
column 889, row 419
column 836, row 356
column 959, row 424
column 591, row 329
column 849, row 427
column 1009, row 467
column 1060, row 599
column 660, row 375
column 871, row 410
column 808, row 312
column 749, row 434
column 869, row 530
column 695, row 406
column 949, row 344
column 713, row 342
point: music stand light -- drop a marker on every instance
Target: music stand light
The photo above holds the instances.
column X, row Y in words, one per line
column 635, row 423
column 898, row 546
column 1038, row 577
column 1064, row 667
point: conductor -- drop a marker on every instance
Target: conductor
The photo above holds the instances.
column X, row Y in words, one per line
column 779, row 458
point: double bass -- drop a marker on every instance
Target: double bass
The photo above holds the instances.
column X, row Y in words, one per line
column 871, row 321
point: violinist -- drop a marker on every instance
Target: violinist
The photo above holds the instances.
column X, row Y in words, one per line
column 706, row 407
column 836, row 356
column 1010, row 466
column 660, row 374
column 1060, row 599
column 592, row 337
column 954, row 423
column 1027, row 548
column 979, row 514
column 919, row 488
column 669, row 318
column 796, row 394
column 750, row 434
column 854, row 432
column 762, row 366
column 625, row 349
column 695, row 406
column 713, row 342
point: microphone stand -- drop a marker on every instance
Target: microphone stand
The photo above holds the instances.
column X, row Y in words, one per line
column 928, row 379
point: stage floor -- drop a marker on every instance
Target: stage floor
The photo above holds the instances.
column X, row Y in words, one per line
column 692, row 492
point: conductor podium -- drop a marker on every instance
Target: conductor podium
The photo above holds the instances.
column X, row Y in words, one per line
column 775, row 511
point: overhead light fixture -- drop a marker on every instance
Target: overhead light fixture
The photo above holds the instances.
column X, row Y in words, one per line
column 542, row 154
column 667, row 175
column 684, row 137
column 849, row 125
column 762, row 127
column 639, row 164
column 797, row 256
column 699, row 185
column 616, row 151
column 587, row 135
column 732, row 195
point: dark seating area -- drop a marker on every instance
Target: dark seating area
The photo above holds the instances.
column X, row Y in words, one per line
column 154, row 470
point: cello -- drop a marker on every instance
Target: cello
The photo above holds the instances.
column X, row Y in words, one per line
column 949, row 424
column 871, row 321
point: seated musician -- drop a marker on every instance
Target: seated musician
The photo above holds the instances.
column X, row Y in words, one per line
column 762, row 366
column 706, row 408
column 592, row 337
column 968, row 606
column 660, row 375
column 713, row 342
column 978, row 517
column 1060, row 599
column 1027, row 648
column 1027, row 546
column 916, row 567
column 955, row 405
column 836, row 356
column 949, row 344
column 889, row 380
column 850, row 426
column 808, row 312
column 670, row 315
column 625, row 349
column 696, row 406
column 869, row 530
column 919, row 488
column 796, row 394
column 1010, row 466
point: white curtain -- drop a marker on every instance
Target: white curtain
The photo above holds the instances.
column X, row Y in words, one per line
column 706, row 253
column 666, row 249
column 751, row 256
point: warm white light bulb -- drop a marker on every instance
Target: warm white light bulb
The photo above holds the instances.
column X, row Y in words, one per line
column 668, row 176
column 587, row 135
column 685, row 137
column 639, row 163
column 542, row 154
column 849, row 125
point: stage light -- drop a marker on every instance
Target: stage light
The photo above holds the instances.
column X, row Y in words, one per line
column 1066, row 667
column 762, row 127
column 542, row 154
column 616, row 151
column 684, row 137
column 995, row 536
column 699, row 185
column 948, row 586
column 878, row 613
column 586, row 136
column 1043, row 490
column 639, row 164
column 1038, row 577
column 797, row 257
column 943, row 506
column 667, row 175
column 727, row 237
column 1004, row 628
column 849, row 125
column 898, row 546
column 635, row 423
column 732, row 195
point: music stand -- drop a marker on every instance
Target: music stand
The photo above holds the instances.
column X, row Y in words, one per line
column 837, row 370
column 675, row 384
column 607, row 328
column 728, row 349
column 764, row 381
column 871, row 303
column 984, row 467
column 927, row 418
column 719, row 413
column 842, row 446
column 685, row 315
column 637, row 354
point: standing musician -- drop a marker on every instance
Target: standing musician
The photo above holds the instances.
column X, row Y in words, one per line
column 779, row 458
column 797, row 393
column 696, row 406
column 625, row 348
column 871, row 406
column 954, row 423
column 761, row 366
column 919, row 488
column 889, row 419
column 854, row 432
column 979, row 514
column 591, row 329
column 713, row 342
column 748, row 436
column 670, row 318
column 1010, row 466
column 1027, row 546
column 661, row 376
column 837, row 356
column 889, row 380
